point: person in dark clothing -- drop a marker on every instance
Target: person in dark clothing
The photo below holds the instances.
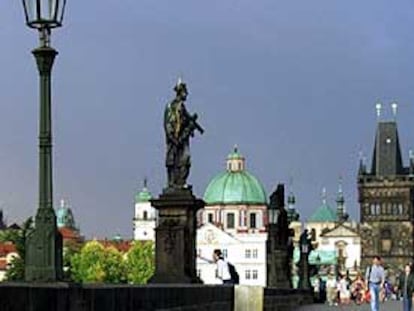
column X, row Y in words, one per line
column 406, row 286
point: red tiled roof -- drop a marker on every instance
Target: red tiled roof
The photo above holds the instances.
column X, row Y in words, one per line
column 3, row 264
column 7, row 248
column 69, row 234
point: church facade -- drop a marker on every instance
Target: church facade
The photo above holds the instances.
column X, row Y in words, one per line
column 386, row 195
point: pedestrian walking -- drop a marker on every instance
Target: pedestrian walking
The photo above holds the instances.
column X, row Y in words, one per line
column 406, row 286
column 375, row 278
column 223, row 272
column 331, row 289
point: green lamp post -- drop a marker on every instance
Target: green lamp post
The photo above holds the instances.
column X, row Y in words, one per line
column 43, row 257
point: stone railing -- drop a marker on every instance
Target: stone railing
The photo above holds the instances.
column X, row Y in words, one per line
column 174, row 297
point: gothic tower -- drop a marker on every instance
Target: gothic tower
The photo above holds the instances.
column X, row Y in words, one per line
column 386, row 195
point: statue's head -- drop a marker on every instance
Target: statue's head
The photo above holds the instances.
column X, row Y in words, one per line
column 181, row 90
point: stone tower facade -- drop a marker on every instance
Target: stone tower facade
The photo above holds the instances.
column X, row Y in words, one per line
column 386, row 194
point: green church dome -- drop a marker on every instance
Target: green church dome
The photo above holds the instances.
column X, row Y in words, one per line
column 144, row 195
column 236, row 185
column 324, row 213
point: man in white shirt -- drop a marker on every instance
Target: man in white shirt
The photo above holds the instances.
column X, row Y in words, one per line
column 223, row 272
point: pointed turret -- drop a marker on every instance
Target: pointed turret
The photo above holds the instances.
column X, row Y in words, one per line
column 340, row 204
column 362, row 169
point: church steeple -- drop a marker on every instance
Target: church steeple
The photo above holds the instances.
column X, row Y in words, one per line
column 340, row 203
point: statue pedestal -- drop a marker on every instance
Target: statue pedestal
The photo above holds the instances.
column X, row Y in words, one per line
column 175, row 237
column 304, row 278
column 278, row 268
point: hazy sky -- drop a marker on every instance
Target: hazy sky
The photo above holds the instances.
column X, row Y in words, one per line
column 293, row 83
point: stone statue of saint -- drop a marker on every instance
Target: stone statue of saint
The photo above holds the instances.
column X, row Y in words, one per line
column 179, row 126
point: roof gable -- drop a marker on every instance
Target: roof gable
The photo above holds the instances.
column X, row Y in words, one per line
column 340, row 230
column 208, row 234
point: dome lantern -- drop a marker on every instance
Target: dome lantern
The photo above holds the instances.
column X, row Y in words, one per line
column 235, row 161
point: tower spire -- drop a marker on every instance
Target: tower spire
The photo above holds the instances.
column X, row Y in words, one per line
column 394, row 107
column 324, row 196
column 378, row 107
column 340, row 201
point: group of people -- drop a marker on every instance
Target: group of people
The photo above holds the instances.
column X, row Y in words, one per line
column 373, row 289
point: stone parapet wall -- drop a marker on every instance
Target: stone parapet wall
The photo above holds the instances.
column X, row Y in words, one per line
column 160, row 297
column 70, row 297
column 286, row 299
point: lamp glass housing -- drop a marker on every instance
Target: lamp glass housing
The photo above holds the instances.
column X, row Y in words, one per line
column 41, row 14
column 273, row 215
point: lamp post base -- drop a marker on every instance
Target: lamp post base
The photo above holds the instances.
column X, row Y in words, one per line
column 43, row 261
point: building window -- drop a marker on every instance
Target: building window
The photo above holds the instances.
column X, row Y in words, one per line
column 210, row 218
column 230, row 220
column 229, row 166
column 224, row 252
column 253, row 220
column 254, row 274
column 248, row 253
column 248, row 274
column 145, row 215
column 400, row 208
column 377, row 209
column 254, row 254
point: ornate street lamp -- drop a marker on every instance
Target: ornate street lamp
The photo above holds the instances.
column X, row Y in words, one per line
column 43, row 258
column 273, row 214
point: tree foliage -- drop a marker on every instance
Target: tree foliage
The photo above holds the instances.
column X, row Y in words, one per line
column 87, row 265
column 140, row 262
column 18, row 237
column 95, row 263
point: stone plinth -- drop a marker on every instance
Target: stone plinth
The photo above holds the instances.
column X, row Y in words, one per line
column 304, row 276
column 278, row 268
column 175, row 237
column 43, row 258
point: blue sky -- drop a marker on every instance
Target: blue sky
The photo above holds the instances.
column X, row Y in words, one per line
column 293, row 83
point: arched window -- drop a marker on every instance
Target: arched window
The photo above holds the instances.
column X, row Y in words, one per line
column 145, row 215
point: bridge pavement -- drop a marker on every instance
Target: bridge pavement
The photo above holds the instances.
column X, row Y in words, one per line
column 385, row 306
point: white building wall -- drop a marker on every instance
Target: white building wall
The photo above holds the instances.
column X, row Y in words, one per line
column 144, row 222
column 247, row 252
column 352, row 249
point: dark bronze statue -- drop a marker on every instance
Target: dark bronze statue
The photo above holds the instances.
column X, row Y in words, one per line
column 179, row 126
